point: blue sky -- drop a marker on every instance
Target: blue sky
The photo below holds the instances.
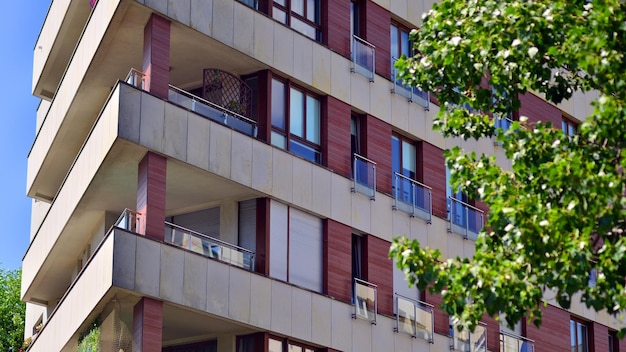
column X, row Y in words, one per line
column 19, row 29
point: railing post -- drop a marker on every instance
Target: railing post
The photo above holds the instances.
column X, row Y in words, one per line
column 466, row 222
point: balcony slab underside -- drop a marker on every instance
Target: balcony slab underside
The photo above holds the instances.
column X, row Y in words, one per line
column 103, row 181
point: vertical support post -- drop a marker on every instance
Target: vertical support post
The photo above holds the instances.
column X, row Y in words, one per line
column 148, row 325
column 156, row 55
column 151, row 195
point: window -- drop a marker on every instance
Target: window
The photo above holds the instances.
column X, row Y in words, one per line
column 578, row 336
column 613, row 342
column 295, row 121
column 301, row 15
column 356, row 135
column 401, row 45
column 362, row 52
column 357, row 257
column 295, row 247
column 285, row 345
column 250, row 3
column 569, row 127
column 465, row 219
column 404, row 162
column 501, row 121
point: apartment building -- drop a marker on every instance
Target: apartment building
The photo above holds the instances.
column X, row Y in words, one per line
column 227, row 175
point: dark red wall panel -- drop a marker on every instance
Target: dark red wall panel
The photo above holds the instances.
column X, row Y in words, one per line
column 338, row 260
column 148, row 325
column 553, row 335
column 442, row 322
column 151, row 184
column 380, row 272
column 336, row 132
column 377, row 31
column 336, row 26
column 536, row 109
column 156, row 55
column 599, row 338
column 433, row 167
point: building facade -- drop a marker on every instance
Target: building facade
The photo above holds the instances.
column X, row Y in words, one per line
column 227, row 175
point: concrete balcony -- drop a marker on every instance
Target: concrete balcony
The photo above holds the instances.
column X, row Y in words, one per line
column 103, row 180
column 56, row 42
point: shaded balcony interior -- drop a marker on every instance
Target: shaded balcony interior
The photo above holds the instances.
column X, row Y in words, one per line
column 183, row 329
column 205, row 213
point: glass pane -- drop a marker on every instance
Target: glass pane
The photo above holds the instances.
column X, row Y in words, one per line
column 395, row 48
column 405, row 43
column 275, row 346
column 311, row 10
column 296, row 112
column 279, row 15
column 406, row 316
column 304, row 151
column 572, row 334
column 304, row 28
column 297, row 6
column 280, row 2
column 278, row 140
column 395, row 154
column 312, row 120
column 409, row 159
column 278, row 104
column 294, row 348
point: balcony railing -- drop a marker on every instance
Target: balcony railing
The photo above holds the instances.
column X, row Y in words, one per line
column 513, row 343
column 130, row 221
column 502, row 122
column 209, row 246
column 411, row 93
column 412, row 197
column 212, row 111
column 364, row 175
column 465, row 219
column 414, row 318
column 465, row 341
column 136, row 79
column 363, row 57
column 365, row 301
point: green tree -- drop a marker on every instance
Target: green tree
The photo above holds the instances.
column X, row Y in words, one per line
column 12, row 310
column 559, row 212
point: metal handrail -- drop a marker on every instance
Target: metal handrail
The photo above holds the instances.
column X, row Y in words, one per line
column 364, row 41
column 467, row 205
column 133, row 214
column 364, row 158
column 363, row 282
column 207, row 237
column 213, row 105
column 413, row 181
column 415, row 300
column 131, row 78
column 523, row 338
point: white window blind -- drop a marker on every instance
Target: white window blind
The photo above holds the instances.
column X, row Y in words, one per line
column 305, row 250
